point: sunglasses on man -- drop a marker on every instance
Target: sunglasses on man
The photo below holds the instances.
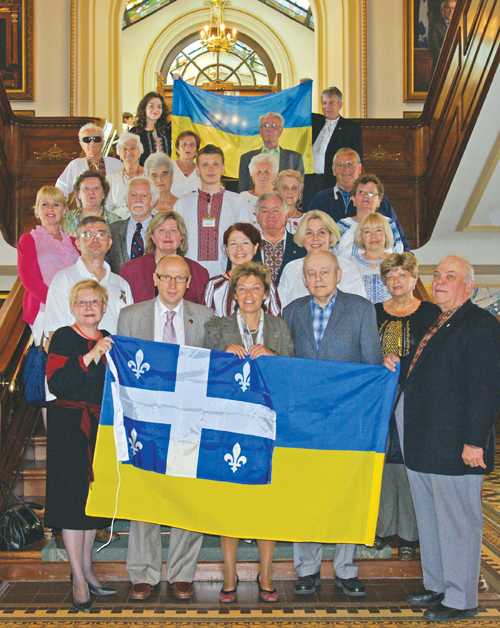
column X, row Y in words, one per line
column 97, row 139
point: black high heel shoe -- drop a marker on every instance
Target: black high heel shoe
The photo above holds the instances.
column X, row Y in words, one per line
column 83, row 607
column 101, row 590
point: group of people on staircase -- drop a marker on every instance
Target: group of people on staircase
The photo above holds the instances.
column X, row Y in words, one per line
column 311, row 265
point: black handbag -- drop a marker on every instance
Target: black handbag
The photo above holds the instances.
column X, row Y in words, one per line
column 35, row 368
column 19, row 525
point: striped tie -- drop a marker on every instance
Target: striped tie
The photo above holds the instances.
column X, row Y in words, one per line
column 137, row 242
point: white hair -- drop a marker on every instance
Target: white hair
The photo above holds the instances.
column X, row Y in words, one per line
column 154, row 192
column 127, row 137
column 263, row 158
column 88, row 127
column 276, row 115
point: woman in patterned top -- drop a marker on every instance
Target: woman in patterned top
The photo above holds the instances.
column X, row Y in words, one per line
column 402, row 321
column 241, row 241
column 373, row 236
column 153, row 126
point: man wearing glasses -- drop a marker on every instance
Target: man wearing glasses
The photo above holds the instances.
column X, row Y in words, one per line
column 270, row 128
column 92, row 142
column 337, row 201
column 167, row 318
column 93, row 241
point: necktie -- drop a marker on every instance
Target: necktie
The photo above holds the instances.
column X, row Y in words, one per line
column 137, row 242
column 169, row 330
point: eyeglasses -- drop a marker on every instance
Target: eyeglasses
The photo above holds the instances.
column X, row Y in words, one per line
column 92, row 303
column 188, row 145
column 168, row 278
column 270, row 126
column 365, row 193
column 90, row 235
column 97, row 139
column 346, row 164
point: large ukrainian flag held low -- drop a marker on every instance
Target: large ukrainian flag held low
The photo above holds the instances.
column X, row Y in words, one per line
column 232, row 122
column 277, row 448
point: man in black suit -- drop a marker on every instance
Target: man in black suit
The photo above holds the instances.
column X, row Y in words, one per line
column 438, row 28
column 270, row 128
column 330, row 132
column 445, row 417
column 277, row 247
column 129, row 235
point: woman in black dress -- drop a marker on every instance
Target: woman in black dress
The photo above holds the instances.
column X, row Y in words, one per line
column 152, row 126
column 402, row 321
column 75, row 374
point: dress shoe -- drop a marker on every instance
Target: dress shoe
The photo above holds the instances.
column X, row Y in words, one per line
column 440, row 612
column 265, row 594
column 228, row 597
column 350, row 586
column 183, row 590
column 424, row 598
column 482, row 585
column 307, row 584
column 83, row 607
column 406, row 553
column 380, row 542
column 102, row 536
column 101, row 590
column 140, row 591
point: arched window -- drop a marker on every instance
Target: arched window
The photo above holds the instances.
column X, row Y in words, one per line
column 247, row 64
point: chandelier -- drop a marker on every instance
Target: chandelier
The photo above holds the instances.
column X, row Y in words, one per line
column 220, row 41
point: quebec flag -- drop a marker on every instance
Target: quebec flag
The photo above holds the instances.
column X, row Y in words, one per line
column 189, row 412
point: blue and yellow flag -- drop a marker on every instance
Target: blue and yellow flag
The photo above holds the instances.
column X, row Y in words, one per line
column 232, row 122
column 278, row 448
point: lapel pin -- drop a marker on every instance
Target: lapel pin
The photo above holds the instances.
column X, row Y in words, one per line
column 190, row 321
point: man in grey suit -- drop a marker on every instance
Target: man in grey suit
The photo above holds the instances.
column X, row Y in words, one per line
column 167, row 318
column 129, row 235
column 270, row 128
column 330, row 325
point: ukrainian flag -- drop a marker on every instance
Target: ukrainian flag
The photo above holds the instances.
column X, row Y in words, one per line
column 327, row 447
column 232, row 122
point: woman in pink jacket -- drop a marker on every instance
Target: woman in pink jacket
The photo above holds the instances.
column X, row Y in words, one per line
column 42, row 253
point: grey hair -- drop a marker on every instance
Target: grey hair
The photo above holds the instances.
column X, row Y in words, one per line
column 443, row 2
column 265, row 197
column 344, row 151
column 157, row 160
column 335, row 259
column 127, row 137
column 87, row 127
column 276, row 115
column 332, row 91
column 469, row 270
column 152, row 187
column 260, row 158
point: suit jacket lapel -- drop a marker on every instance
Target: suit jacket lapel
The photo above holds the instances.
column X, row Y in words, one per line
column 147, row 322
column 305, row 320
column 446, row 329
column 338, row 312
column 336, row 130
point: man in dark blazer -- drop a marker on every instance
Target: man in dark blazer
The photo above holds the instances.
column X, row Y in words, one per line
column 330, row 325
column 330, row 132
column 438, row 29
column 129, row 235
column 270, row 127
column 277, row 247
column 445, row 416
column 149, row 321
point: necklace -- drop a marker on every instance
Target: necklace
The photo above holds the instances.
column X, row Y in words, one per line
column 88, row 337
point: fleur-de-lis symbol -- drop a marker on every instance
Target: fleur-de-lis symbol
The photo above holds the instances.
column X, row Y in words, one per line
column 138, row 367
column 134, row 443
column 244, row 380
column 235, row 460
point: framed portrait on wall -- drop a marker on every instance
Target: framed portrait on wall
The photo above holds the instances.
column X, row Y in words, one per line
column 17, row 48
column 421, row 18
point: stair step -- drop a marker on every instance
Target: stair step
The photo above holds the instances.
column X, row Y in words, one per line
column 31, row 479
column 40, row 447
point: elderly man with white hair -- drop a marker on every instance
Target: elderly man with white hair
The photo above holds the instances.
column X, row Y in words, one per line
column 129, row 235
column 270, row 129
column 129, row 149
column 91, row 139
